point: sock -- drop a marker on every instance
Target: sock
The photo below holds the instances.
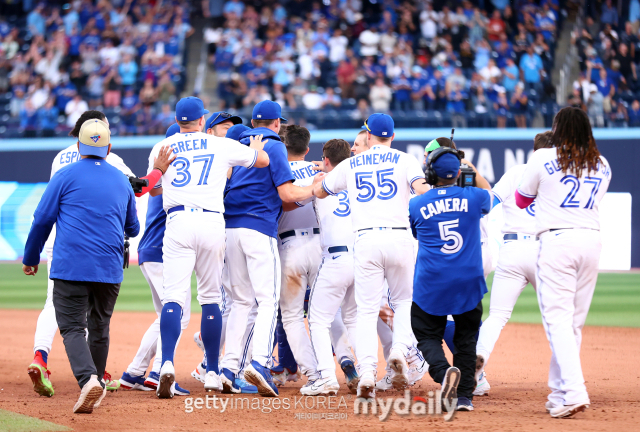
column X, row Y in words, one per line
column 44, row 356
column 448, row 336
column 210, row 332
column 170, row 330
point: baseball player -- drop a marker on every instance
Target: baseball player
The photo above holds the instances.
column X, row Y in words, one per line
column 379, row 182
column 47, row 325
column 223, row 124
column 567, row 182
column 194, row 239
column 516, row 262
column 253, row 205
column 150, row 261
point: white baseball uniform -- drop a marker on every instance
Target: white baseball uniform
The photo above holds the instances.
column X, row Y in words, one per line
column 333, row 289
column 378, row 182
column 192, row 190
column 47, row 325
column 568, row 224
column 487, row 256
column 300, row 256
column 516, row 261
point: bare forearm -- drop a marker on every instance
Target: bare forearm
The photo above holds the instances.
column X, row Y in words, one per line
column 290, row 193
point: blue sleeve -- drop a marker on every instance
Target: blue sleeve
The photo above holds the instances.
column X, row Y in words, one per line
column 44, row 217
column 412, row 220
column 496, row 201
column 485, row 201
column 279, row 164
column 131, row 224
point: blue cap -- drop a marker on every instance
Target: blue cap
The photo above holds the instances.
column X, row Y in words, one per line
column 267, row 110
column 447, row 166
column 190, row 108
column 221, row 116
column 234, row 131
column 380, row 125
column 173, row 129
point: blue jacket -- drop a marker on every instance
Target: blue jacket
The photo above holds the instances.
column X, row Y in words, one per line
column 150, row 247
column 251, row 199
column 93, row 207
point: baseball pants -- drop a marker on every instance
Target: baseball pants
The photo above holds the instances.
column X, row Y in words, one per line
column 300, row 257
column 487, row 258
column 381, row 254
column 80, row 306
column 254, row 271
column 429, row 330
column 332, row 288
column 47, row 326
column 516, row 268
column 566, row 276
column 342, row 340
column 151, row 345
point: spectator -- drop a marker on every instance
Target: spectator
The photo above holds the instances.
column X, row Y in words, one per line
column 634, row 114
column 490, row 71
column 233, row 9
column 481, row 105
column 338, row 44
column 312, row 100
column 112, row 87
column 164, row 119
column 456, row 106
column 402, row 93
column 618, row 116
column 501, row 107
column 330, row 99
column 346, row 74
column 363, row 111
column 609, row 14
column 48, row 118
column 17, row 101
column 510, row 76
column 148, row 93
column 166, row 89
column 596, row 107
column 128, row 70
column 531, row 69
column 29, row 119
column 95, row 88
column 36, row 22
column 518, row 106
column 496, row 26
column 369, row 40
column 380, row 96
column 428, row 20
column 606, row 88
column 627, row 66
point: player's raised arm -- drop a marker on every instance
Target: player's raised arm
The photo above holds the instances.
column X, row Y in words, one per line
column 160, row 166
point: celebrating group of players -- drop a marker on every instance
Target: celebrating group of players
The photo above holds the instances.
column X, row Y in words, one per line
column 273, row 238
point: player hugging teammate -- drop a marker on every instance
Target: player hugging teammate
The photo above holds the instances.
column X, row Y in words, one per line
column 275, row 239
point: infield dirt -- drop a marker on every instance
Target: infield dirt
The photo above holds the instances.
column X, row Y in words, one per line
column 517, row 373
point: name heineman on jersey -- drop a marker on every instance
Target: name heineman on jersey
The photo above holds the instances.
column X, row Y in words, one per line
column 374, row 159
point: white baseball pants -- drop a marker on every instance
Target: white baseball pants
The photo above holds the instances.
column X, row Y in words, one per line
column 47, row 326
column 566, row 279
column 333, row 287
column 487, row 259
column 381, row 254
column 342, row 339
column 300, row 257
column 254, row 271
column 516, row 268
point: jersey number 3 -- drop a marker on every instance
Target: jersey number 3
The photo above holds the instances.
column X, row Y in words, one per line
column 184, row 176
column 447, row 234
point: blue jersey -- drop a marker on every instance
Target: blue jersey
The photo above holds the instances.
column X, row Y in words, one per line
column 150, row 247
column 449, row 278
column 252, row 200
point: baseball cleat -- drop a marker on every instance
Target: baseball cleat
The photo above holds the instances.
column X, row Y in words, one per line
column 464, row 404
column 260, row 377
column 111, row 384
column 549, row 406
column 564, row 411
column 482, row 387
column 104, row 393
column 228, row 381
column 167, row 378
column 281, row 375
column 398, row 363
column 385, row 383
column 480, row 362
column 449, row 390
column 179, row 391
column 132, row 382
column 199, row 372
column 245, row 387
column 40, row 378
column 152, row 380
column 351, row 375
column 321, row 386
column 90, row 394
column 212, row 382
column 367, row 386
column 417, row 372
column 198, row 340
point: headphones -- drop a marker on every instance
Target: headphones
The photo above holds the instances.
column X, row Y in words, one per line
column 430, row 174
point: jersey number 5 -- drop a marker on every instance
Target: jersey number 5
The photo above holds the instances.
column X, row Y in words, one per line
column 447, row 234
column 184, row 176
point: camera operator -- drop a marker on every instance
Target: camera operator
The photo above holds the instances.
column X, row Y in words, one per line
column 87, row 271
column 449, row 276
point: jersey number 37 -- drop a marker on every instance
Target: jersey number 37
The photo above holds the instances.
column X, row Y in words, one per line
column 184, row 176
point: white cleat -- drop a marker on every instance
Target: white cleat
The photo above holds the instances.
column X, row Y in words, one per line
column 90, row 394
column 483, row 387
column 417, row 372
column 280, row 379
column 321, row 386
column 199, row 373
column 398, row 363
column 564, row 411
column 367, row 386
column 549, row 406
column 198, row 340
column 212, row 382
column 385, row 383
column 167, row 378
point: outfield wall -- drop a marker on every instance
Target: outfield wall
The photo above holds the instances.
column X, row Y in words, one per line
column 26, row 165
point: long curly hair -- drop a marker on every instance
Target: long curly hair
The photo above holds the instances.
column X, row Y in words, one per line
column 573, row 138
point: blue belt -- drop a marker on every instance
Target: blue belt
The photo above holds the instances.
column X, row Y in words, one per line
column 335, row 249
column 381, row 228
column 292, row 233
column 515, row 237
column 181, row 208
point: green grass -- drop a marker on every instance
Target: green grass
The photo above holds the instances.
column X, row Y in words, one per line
column 616, row 301
column 14, row 422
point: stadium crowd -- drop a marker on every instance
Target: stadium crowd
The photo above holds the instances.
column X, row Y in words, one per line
column 58, row 60
column 335, row 62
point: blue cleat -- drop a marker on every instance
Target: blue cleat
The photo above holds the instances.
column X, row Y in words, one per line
column 260, row 377
column 179, row 391
column 245, row 387
column 228, row 380
column 132, row 382
column 350, row 374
